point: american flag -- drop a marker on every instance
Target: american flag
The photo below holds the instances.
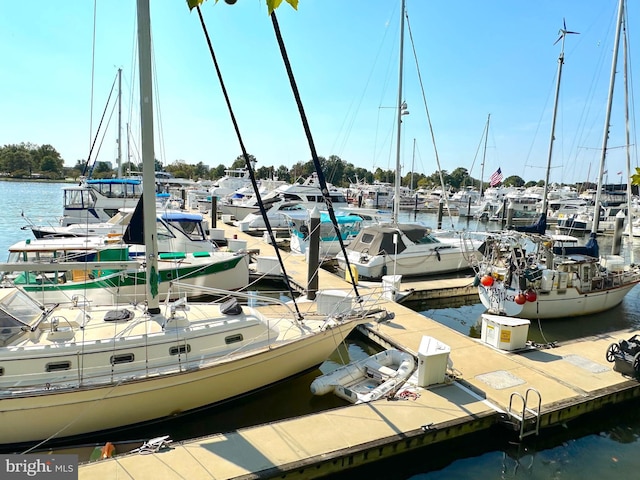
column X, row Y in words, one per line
column 495, row 178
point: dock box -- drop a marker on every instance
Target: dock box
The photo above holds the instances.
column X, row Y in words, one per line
column 236, row 245
column 333, row 302
column 505, row 333
column 433, row 358
column 391, row 286
column 216, row 234
column 268, row 265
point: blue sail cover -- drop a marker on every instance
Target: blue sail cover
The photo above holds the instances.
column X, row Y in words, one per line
column 590, row 249
column 539, row 227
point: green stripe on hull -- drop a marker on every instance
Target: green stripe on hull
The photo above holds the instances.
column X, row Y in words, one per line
column 125, row 279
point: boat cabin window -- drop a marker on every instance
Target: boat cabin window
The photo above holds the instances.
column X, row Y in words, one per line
column 428, row 238
column 10, row 328
column 111, row 211
column 17, row 309
column 58, row 366
column 192, row 229
column 122, row 358
column 233, row 339
column 367, row 238
column 389, row 247
column 78, row 198
column 586, row 273
column 1, row 371
column 180, row 350
column 118, row 189
column 163, row 232
column 293, row 208
column 293, row 198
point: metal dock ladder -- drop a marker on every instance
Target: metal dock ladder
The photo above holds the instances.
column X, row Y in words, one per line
column 529, row 416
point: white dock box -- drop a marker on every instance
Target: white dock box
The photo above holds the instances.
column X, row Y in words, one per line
column 333, row 302
column 505, row 333
column 433, row 358
column 236, row 245
column 268, row 265
column 216, row 234
column 391, row 286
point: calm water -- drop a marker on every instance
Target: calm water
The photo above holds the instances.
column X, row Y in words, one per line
column 603, row 446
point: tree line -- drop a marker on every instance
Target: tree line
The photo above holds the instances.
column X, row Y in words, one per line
column 29, row 161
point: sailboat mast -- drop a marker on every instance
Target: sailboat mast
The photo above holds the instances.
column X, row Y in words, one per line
column 545, row 193
column 148, row 155
column 625, row 56
column 119, row 123
column 605, row 137
column 484, row 154
column 396, row 197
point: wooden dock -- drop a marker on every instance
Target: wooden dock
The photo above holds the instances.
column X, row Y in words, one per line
column 569, row 381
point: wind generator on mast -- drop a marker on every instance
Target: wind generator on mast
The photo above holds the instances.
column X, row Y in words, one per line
column 562, row 34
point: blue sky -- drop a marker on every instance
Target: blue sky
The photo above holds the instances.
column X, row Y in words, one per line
column 475, row 58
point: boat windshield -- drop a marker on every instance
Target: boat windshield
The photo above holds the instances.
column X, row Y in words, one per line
column 428, row 238
column 77, row 198
column 18, row 312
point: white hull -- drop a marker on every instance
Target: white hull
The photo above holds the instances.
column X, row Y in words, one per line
column 407, row 264
column 239, row 212
column 554, row 304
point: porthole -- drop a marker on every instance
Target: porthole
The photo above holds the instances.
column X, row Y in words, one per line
column 180, row 350
column 57, row 366
column 233, row 339
column 124, row 358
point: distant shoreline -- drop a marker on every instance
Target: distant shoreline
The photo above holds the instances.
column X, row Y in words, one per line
column 40, row 180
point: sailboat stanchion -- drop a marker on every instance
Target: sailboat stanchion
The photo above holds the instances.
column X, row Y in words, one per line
column 314, row 256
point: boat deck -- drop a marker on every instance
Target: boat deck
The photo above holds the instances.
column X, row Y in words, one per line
column 571, row 379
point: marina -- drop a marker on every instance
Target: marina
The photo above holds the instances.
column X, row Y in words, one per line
column 414, row 348
column 486, row 387
column 576, row 372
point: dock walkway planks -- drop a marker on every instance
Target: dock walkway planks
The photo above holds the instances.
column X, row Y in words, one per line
column 572, row 379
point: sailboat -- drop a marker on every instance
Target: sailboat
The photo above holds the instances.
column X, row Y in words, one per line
column 406, row 249
column 186, row 255
column 77, row 369
column 532, row 275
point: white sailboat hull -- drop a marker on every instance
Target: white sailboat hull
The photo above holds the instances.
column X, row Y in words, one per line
column 554, row 304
